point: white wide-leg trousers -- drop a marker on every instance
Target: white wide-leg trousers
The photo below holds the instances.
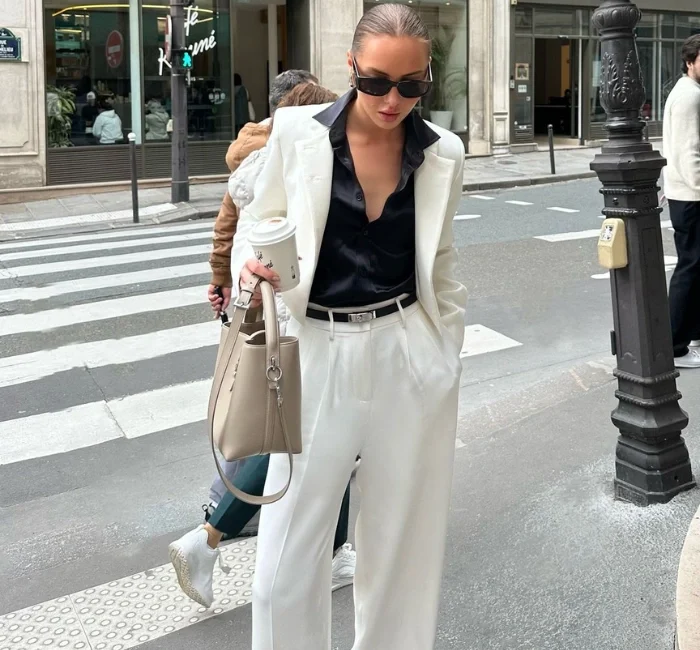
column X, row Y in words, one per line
column 386, row 390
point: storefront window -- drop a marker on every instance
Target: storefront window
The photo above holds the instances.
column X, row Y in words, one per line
column 446, row 106
column 87, row 54
column 558, row 22
column 210, row 93
column 687, row 26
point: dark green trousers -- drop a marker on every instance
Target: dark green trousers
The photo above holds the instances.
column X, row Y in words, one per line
column 232, row 514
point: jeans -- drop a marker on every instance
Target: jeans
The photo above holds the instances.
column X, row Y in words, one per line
column 684, row 290
column 232, row 514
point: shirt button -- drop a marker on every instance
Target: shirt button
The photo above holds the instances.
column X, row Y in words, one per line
column 365, row 232
column 359, row 196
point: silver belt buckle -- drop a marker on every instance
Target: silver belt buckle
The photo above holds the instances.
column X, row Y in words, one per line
column 362, row 317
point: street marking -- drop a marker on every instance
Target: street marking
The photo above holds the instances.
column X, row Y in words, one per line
column 99, row 217
column 565, row 210
column 481, row 340
column 86, row 425
column 23, row 368
column 482, row 197
column 670, row 262
column 101, row 310
column 33, row 294
column 102, row 261
column 581, row 234
column 466, row 217
column 103, row 246
column 519, row 202
column 136, row 232
column 130, row 611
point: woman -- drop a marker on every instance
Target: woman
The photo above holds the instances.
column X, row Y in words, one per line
column 194, row 555
column 108, row 125
column 241, row 102
column 157, row 119
column 372, row 190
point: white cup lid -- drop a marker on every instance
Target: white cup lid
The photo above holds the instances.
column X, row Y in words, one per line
column 271, row 231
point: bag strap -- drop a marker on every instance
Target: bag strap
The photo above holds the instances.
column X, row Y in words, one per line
column 274, row 378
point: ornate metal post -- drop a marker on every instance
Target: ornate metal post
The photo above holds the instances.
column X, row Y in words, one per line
column 652, row 463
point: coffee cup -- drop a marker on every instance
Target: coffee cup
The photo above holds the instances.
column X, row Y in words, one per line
column 275, row 247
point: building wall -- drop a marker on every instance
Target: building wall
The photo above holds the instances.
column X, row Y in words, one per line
column 22, row 128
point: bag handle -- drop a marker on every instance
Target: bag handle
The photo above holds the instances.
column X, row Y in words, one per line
column 274, row 377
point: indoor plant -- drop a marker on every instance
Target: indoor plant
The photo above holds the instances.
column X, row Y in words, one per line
column 60, row 106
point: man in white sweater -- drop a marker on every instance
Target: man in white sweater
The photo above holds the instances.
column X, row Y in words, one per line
column 682, row 188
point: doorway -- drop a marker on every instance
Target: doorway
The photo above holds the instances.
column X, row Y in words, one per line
column 556, row 88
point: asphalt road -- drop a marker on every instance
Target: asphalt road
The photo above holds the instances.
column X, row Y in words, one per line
column 103, row 457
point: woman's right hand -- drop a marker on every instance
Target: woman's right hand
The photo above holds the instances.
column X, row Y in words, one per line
column 254, row 267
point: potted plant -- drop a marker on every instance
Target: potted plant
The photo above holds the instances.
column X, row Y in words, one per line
column 60, row 106
column 447, row 86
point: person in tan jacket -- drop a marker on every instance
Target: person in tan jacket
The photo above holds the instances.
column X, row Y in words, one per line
column 251, row 138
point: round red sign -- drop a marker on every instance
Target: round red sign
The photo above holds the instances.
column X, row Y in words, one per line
column 114, row 49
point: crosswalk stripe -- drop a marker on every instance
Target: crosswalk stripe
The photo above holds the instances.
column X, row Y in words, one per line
column 466, row 217
column 93, row 423
column 482, row 197
column 482, row 340
column 101, row 310
column 136, row 232
column 102, row 261
column 32, row 366
column 519, row 202
column 98, row 217
column 103, row 246
column 32, row 294
column 580, row 234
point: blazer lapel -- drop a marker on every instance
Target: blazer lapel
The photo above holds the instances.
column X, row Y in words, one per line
column 433, row 183
column 315, row 156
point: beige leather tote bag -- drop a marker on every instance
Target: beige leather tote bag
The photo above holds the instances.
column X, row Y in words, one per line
column 255, row 401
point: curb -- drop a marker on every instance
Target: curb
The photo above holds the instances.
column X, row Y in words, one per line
column 688, row 590
column 526, row 182
column 187, row 212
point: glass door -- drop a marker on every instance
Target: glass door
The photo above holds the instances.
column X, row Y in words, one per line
column 522, row 89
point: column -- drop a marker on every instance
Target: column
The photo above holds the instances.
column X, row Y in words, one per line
column 479, row 67
column 23, row 99
column 272, row 53
column 135, row 67
column 332, row 25
column 501, row 73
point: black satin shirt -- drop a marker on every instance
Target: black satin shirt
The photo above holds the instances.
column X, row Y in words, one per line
column 362, row 262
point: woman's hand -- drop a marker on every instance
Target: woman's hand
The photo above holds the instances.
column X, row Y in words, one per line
column 254, row 267
column 219, row 304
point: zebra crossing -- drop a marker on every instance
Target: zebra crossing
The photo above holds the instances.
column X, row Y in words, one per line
column 104, row 338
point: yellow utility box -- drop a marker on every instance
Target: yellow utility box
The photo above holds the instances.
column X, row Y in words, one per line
column 612, row 244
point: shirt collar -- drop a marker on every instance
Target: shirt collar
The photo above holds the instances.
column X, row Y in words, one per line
column 419, row 135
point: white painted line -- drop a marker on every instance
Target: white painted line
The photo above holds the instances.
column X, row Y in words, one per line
column 565, row 210
column 481, row 340
column 102, row 310
column 32, row 294
column 519, row 202
column 130, row 611
column 670, row 262
column 100, row 217
column 136, row 232
column 56, row 433
column 102, row 261
column 103, row 246
column 23, row 368
column 581, row 234
column 482, row 197
column 77, row 427
column 466, row 217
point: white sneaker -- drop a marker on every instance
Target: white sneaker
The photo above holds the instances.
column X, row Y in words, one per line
column 694, row 344
column 194, row 560
column 343, row 567
column 690, row 360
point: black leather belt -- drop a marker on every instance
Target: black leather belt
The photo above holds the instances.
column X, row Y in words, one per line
column 362, row 316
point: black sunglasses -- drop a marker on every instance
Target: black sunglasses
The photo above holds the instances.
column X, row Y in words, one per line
column 380, row 86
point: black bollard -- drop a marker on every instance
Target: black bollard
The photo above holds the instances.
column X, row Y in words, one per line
column 550, row 134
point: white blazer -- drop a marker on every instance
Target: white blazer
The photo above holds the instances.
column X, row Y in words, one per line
column 296, row 183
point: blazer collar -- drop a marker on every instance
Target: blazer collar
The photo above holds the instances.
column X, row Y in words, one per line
column 335, row 117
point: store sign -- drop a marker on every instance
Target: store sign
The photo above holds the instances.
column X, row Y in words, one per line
column 10, row 46
column 202, row 45
column 114, row 49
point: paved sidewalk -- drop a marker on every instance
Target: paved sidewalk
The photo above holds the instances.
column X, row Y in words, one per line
column 87, row 212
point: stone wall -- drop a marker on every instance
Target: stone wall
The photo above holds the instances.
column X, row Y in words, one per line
column 22, row 103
